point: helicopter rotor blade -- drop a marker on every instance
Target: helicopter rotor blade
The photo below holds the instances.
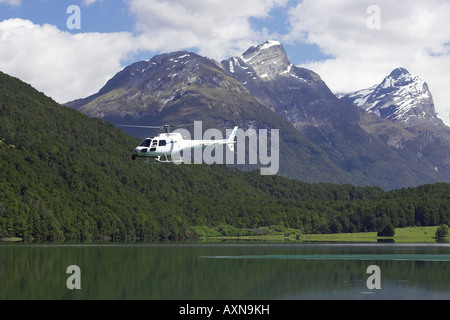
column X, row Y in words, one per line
column 133, row 126
column 166, row 126
column 183, row 125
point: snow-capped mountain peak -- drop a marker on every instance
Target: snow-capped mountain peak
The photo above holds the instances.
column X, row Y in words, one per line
column 400, row 97
column 268, row 60
column 406, row 82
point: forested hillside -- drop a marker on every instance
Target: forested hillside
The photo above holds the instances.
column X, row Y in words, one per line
column 64, row 175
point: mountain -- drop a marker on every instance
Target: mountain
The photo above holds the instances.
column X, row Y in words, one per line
column 296, row 94
column 64, row 175
column 401, row 97
column 406, row 100
column 323, row 138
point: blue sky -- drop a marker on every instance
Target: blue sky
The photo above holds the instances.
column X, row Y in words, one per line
column 100, row 16
column 348, row 43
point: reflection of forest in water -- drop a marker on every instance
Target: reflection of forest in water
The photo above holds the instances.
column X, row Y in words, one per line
column 172, row 271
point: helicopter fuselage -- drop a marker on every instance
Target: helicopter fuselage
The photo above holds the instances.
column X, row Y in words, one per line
column 168, row 144
column 162, row 145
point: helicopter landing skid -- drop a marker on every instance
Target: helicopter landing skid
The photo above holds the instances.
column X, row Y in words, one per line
column 164, row 160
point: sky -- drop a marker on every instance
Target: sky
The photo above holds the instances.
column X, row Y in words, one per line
column 68, row 49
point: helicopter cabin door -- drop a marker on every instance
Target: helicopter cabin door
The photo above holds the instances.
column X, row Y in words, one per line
column 154, row 145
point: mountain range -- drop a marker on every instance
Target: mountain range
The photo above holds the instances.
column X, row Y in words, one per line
column 387, row 135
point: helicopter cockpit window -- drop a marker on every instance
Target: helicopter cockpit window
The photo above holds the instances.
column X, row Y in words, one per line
column 162, row 143
column 145, row 143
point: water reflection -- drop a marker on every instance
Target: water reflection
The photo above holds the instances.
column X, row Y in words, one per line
column 225, row 271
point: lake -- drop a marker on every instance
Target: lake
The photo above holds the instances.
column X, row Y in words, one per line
column 224, row 271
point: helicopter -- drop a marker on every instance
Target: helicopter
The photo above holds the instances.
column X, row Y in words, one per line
column 162, row 147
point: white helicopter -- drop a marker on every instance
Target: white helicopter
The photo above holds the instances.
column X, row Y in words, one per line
column 165, row 145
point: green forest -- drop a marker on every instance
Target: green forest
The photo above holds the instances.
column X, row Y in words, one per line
column 65, row 176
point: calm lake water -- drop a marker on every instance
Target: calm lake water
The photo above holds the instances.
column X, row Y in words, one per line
column 225, row 271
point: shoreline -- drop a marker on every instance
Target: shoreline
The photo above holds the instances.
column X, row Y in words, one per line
column 410, row 235
column 417, row 235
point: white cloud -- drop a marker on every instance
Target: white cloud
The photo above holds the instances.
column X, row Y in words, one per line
column 413, row 34
column 89, row 2
column 64, row 66
column 11, row 2
column 218, row 29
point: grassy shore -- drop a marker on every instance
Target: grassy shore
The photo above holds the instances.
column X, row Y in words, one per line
column 11, row 239
column 402, row 235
